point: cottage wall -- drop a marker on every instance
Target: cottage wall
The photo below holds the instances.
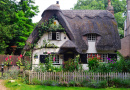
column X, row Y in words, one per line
column 36, row 61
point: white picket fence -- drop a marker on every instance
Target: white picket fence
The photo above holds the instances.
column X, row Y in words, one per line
column 75, row 76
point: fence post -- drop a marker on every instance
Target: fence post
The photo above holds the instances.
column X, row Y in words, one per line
column 2, row 69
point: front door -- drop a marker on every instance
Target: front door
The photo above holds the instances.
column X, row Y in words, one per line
column 68, row 56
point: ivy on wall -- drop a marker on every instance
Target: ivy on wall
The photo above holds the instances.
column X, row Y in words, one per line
column 47, row 26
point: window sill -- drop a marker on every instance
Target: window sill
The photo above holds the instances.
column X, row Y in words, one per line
column 56, row 64
column 54, row 40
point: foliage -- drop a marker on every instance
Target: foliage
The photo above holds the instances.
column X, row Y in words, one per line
column 50, row 83
column 12, row 73
column 19, row 62
column 27, row 65
column 71, row 64
column 40, row 68
column 97, row 84
column 117, row 82
column 47, row 44
column 16, row 24
column 8, row 61
column 119, row 9
column 48, row 65
column 93, row 63
column 121, row 65
column 47, row 26
column 35, row 81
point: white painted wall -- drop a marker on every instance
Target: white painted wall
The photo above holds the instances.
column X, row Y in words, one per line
column 39, row 52
column 56, row 42
column 91, row 47
column 35, row 62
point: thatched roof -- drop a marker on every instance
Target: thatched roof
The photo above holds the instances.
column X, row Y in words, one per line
column 79, row 23
column 68, row 44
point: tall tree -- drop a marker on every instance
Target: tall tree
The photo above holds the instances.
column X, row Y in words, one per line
column 16, row 24
column 119, row 9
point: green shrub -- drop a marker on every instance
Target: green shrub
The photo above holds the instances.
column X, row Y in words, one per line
column 50, row 83
column 62, row 83
column 74, row 83
column 41, row 68
column 12, row 73
column 27, row 65
column 71, row 64
column 97, row 84
column 93, row 63
column 103, row 67
column 35, row 81
column 85, row 82
column 117, row 82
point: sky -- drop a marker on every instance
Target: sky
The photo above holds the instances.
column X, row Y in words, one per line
column 44, row 4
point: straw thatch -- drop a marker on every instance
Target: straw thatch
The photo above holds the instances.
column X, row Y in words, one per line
column 79, row 23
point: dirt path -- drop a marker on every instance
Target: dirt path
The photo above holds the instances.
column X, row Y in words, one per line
column 2, row 87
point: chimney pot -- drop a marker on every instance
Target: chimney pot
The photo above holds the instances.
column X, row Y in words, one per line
column 57, row 2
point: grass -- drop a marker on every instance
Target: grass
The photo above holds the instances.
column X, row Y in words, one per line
column 21, row 86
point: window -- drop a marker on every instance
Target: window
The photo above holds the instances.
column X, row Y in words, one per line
column 91, row 37
column 42, row 58
column 51, row 57
column 56, row 59
column 83, row 58
column 101, row 56
column 54, row 36
column 104, row 57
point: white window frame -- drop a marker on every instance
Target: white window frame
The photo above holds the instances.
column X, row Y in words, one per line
column 57, row 60
column 103, row 56
column 58, row 35
column 50, row 35
column 92, row 37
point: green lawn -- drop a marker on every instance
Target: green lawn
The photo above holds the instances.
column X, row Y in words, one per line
column 20, row 86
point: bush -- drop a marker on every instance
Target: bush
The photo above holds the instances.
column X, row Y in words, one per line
column 62, row 83
column 35, row 81
column 27, row 65
column 97, row 84
column 103, row 67
column 71, row 64
column 93, row 63
column 117, row 82
column 74, row 83
column 85, row 82
column 12, row 73
column 50, row 83
column 41, row 68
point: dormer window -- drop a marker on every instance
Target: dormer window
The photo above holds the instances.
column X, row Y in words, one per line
column 91, row 37
column 54, row 36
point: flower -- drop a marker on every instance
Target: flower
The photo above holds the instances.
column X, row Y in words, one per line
column 54, row 59
column 10, row 57
column 6, row 58
column 49, row 69
column 11, row 62
column 48, row 52
column 21, row 56
column 108, row 58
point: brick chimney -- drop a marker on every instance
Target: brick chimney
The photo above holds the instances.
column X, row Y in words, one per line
column 110, row 7
column 57, row 4
column 128, row 4
column 128, row 19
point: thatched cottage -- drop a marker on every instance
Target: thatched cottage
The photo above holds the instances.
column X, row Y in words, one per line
column 86, row 32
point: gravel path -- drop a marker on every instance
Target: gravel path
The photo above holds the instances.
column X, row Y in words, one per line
column 2, row 87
